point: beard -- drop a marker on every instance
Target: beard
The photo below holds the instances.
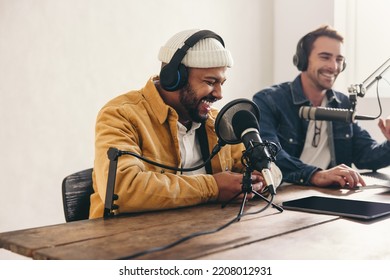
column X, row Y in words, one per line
column 189, row 100
column 321, row 82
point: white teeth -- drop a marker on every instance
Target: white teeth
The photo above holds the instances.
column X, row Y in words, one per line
column 328, row 75
column 207, row 102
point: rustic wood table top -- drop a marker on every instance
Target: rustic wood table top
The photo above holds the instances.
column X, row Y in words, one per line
column 268, row 234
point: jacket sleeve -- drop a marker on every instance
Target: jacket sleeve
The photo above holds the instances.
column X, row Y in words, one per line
column 368, row 153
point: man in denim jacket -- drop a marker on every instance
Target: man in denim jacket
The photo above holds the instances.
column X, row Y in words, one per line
column 318, row 152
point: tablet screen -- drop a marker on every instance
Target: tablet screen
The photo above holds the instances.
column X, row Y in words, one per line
column 340, row 207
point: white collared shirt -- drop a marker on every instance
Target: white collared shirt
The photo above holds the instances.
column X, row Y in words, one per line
column 190, row 151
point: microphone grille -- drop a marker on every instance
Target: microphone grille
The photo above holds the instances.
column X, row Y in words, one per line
column 243, row 120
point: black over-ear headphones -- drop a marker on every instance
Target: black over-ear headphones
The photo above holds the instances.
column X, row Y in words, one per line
column 174, row 75
column 300, row 58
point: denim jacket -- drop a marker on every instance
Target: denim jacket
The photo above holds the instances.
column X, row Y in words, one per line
column 280, row 123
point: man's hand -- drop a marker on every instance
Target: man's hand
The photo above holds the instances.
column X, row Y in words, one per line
column 384, row 125
column 230, row 184
column 341, row 175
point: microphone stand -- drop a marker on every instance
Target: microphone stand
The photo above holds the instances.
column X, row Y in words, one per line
column 353, row 100
column 247, row 189
column 361, row 89
column 109, row 205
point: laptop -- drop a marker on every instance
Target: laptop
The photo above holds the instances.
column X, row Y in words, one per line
column 376, row 179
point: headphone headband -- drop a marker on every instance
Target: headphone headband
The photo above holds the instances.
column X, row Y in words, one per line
column 174, row 75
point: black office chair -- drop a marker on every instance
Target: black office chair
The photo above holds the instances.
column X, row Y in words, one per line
column 76, row 191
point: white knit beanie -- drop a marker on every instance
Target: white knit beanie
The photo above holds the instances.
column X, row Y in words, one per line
column 206, row 53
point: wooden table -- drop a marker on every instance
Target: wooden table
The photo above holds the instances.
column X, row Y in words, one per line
column 266, row 235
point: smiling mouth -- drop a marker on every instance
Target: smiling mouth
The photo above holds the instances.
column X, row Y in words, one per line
column 329, row 76
column 208, row 103
column 205, row 105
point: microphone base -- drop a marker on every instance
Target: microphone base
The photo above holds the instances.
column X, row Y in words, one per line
column 280, row 209
column 246, row 189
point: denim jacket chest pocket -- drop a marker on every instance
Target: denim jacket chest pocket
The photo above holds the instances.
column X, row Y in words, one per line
column 342, row 131
column 343, row 135
column 290, row 139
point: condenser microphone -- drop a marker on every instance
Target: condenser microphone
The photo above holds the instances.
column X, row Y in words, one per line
column 330, row 114
column 246, row 128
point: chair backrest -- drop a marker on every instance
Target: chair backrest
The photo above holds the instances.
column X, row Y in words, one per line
column 76, row 191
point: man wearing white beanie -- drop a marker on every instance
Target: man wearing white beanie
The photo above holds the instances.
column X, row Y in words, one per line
column 170, row 121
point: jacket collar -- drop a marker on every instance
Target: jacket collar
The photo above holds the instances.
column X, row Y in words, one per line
column 299, row 98
column 157, row 104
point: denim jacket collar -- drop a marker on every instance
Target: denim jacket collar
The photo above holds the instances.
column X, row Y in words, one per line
column 299, row 98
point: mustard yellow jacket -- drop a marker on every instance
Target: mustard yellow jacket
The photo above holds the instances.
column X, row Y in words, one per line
column 140, row 122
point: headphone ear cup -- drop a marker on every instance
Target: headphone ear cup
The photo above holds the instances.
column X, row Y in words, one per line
column 344, row 66
column 172, row 79
column 183, row 76
column 296, row 60
column 300, row 57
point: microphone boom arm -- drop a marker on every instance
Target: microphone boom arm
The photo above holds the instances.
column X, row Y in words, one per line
column 361, row 89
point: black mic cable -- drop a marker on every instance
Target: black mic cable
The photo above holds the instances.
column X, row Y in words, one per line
column 193, row 235
column 215, row 150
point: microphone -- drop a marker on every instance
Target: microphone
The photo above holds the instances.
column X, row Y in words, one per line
column 246, row 128
column 330, row 114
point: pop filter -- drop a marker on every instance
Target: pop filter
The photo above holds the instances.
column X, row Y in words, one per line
column 223, row 122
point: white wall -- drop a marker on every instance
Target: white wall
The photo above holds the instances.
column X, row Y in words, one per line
column 292, row 20
column 369, row 48
column 61, row 60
